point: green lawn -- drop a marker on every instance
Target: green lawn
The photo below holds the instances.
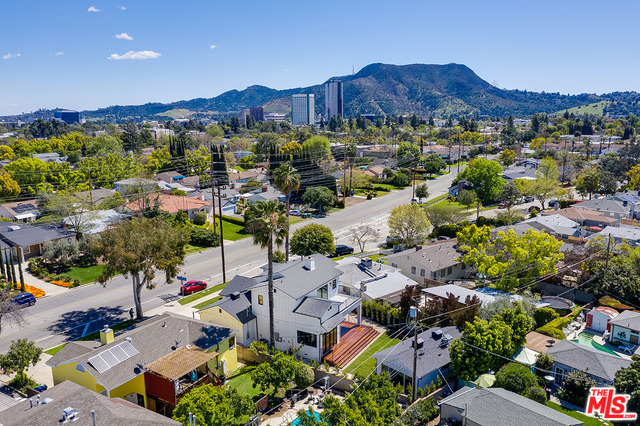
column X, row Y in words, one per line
column 93, row 336
column 436, row 199
column 361, row 192
column 588, row 421
column 86, row 274
column 195, row 296
column 231, row 231
column 382, row 342
column 295, row 219
column 190, row 248
column 241, row 381
column 207, row 302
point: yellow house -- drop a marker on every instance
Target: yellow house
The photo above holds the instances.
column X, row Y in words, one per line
column 152, row 365
column 235, row 313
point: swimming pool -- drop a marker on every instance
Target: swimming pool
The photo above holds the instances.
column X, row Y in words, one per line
column 586, row 339
column 296, row 422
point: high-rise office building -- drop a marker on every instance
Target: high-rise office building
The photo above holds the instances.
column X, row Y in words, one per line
column 333, row 96
column 303, row 109
column 69, row 117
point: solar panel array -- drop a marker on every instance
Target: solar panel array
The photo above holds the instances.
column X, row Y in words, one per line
column 113, row 356
column 24, row 208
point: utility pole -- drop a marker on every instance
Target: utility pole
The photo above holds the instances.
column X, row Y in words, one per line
column 413, row 312
column 213, row 199
column 459, row 154
column 344, row 176
column 606, row 262
column 224, row 268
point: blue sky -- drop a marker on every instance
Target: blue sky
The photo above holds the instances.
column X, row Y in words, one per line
column 55, row 53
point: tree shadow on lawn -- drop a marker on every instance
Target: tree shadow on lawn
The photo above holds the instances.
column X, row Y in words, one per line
column 72, row 324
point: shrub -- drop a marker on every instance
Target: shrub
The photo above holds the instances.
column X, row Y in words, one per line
column 515, row 377
column 279, row 257
column 199, row 218
column 400, row 179
column 537, row 394
column 575, row 388
column 544, row 363
column 613, row 303
column 304, row 376
column 543, row 316
column 567, row 203
column 551, row 332
column 421, row 413
column 204, row 238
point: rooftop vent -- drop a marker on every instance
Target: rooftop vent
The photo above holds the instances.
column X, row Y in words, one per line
column 436, row 334
column 68, row 414
column 235, row 295
column 420, row 342
column 14, row 228
column 366, row 262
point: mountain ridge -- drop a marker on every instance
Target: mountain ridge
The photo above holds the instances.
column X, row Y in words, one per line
column 426, row 89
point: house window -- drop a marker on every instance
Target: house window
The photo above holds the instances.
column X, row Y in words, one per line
column 435, row 275
column 394, row 265
column 422, row 272
column 232, row 342
column 449, row 270
column 323, row 292
column 307, row 339
column 26, row 250
column 334, row 284
column 219, row 310
column 442, row 273
column 260, row 300
column 464, row 266
column 413, row 270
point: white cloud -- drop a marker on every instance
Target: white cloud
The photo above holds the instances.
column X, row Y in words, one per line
column 143, row 54
column 286, row 70
column 123, row 8
column 213, row 46
column 59, row 53
column 94, row 9
column 123, row 36
column 11, row 55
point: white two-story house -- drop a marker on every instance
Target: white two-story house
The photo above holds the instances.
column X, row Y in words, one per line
column 308, row 307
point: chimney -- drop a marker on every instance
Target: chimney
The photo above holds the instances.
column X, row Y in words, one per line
column 265, row 189
column 366, row 262
column 624, row 203
column 309, row 263
column 235, row 295
column 106, row 335
column 69, row 413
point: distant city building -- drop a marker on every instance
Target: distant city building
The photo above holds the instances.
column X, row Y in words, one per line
column 257, row 114
column 333, row 100
column 242, row 116
column 274, row 116
column 69, row 117
column 303, row 109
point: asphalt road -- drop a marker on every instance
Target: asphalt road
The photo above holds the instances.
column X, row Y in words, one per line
column 56, row 319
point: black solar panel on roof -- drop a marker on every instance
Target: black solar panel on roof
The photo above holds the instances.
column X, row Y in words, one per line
column 23, row 208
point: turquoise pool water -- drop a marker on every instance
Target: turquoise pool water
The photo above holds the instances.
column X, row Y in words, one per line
column 296, row 422
column 586, row 339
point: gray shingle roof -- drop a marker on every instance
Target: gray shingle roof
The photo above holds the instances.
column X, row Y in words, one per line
column 239, row 308
column 108, row 411
column 431, row 357
column 296, row 281
column 499, row 407
column 604, row 205
column 380, row 280
column 238, row 284
column 628, row 319
column 28, row 235
column 313, row 307
column 433, row 256
column 589, row 360
column 153, row 339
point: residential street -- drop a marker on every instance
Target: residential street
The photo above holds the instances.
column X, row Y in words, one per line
column 85, row 309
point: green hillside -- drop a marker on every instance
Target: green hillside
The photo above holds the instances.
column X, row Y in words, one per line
column 596, row 108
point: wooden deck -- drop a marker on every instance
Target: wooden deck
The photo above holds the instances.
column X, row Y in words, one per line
column 354, row 339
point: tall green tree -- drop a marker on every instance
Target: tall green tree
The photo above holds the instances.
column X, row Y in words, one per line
column 139, row 248
column 422, row 191
column 311, row 239
column 286, row 179
column 510, row 194
column 410, row 223
column 267, row 221
column 22, row 354
column 408, row 155
column 214, row 406
column 319, row 196
column 486, row 177
column 627, row 381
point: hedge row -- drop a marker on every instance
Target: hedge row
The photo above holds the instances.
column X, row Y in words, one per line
column 554, row 328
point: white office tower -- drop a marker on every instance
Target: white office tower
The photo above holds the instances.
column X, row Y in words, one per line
column 303, row 109
column 333, row 96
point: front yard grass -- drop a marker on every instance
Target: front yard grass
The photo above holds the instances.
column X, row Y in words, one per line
column 207, row 302
column 86, row 274
column 93, row 336
column 195, row 296
column 231, row 231
column 364, row 364
column 587, row 420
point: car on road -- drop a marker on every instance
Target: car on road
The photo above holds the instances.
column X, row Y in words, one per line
column 529, row 199
column 295, row 212
column 24, row 299
column 502, row 205
column 342, row 250
column 552, row 203
column 393, row 239
column 532, row 208
column 192, row 287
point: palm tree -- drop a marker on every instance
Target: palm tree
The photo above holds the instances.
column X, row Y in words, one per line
column 268, row 223
column 286, row 179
